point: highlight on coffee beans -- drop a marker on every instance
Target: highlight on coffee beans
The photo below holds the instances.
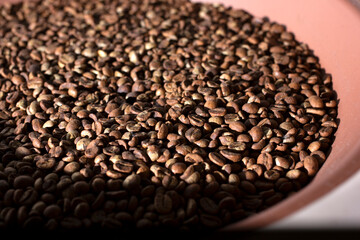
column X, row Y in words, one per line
column 152, row 114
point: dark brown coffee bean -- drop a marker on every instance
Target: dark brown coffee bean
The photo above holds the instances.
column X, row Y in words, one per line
column 163, row 131
column 73, row 124
column 208, row 205
column 81, row 210
column 210, row 221
column 271, row 175
column 163, row 203
column 52, row 211
column 23, row 181
column 178, row 168
column 217, row 112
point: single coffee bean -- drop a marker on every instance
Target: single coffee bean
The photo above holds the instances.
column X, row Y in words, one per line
column 23, row 181
column 52, row 211
column 237, row 126
column 132, row 182
column 266, row 160
column 193, row 158
column 162, row 203
column 250, row 108
column 256, row 133
column 231, row 155
column 208, row 205
column 316, row 102
column 217, row 158
column 311, row 165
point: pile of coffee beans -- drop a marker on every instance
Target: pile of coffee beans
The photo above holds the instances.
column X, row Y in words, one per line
column 150, row 114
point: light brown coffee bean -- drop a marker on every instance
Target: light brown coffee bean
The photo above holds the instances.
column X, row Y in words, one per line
column 266, row 160
column 256, row 133
column 311, row 165
column 217, row 159
column 237, row 126
column 316, row 102
column 123, row 166
column 231, row 155
column 193, row 158
column 193, row 134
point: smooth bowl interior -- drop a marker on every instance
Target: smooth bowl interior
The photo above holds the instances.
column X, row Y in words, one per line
column 331, row 29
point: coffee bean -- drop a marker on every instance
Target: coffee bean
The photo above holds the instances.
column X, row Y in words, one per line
column 231, row 155
column 217, row 158
column 210, row 221
column 162, row 203
column 123, row 166
column 178, row 168
column 193, row 158
column 250, row 108
column 256, row 133
column 18, row 79
column 266, row 160
column 45, row 163
column 71, row 167
column 237, row 126
column 23, row 181
column 52, row 211
column 208, row 205
column 283, row 162
column 81, row 210
column 193, row 134
column 132, row 182
column 316, row 102
column 311, row 164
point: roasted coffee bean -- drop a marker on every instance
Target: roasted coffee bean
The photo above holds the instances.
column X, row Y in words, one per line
column 256, row 133
column 237, row 126
column 266, row 160
column 231, row 155
column 163, row 203
column 311, row 165
column 217, row 158
column 193, row 134
column 23, row 181
column 193, row 158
